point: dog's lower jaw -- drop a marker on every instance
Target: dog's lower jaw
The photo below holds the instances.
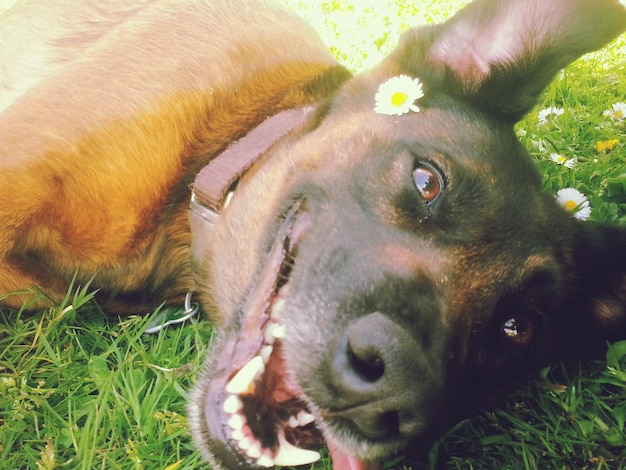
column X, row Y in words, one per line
column 248, row 411
column 213, row 435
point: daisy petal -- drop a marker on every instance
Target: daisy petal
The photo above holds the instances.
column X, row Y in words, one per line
column 574, row 202
column 547, row 114
column 617, row 112
column 397, row 96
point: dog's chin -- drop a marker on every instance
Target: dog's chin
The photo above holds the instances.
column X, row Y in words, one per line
column 247, row 411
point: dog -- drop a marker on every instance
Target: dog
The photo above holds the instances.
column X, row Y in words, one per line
column 375, row 251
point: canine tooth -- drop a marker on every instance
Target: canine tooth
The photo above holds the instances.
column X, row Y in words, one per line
column 236, row 422
column 289, row 455
column 305, row 418
column 243, row 381
column 266, row 353
column 254, row 452
column 232, row 404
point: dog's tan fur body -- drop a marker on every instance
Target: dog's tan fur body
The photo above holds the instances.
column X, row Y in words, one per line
column 107, row 113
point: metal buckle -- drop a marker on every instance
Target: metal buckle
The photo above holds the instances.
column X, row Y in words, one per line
column 173, row 315
column 203, row 211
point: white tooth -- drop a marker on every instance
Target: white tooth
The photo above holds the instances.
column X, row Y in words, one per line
column 232, row 404
column 236, row 422
column 243, row 382
column 265, row 461
column 278, row 309
column 237, row 435
column 305, row 418
column 268, row 333
column 289, row 455
column 245, row 443
column 273, row 331
column 266, row 353
column 293, row 422
column 254, row 452
column 279, row 331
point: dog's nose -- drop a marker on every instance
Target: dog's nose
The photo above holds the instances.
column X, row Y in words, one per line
column 384, row 376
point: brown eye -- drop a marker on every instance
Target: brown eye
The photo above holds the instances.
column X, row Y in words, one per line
column 428, row 183
column 519, row 330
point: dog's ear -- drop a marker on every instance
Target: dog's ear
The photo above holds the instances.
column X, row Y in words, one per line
column 503, row 53
column 598, row 287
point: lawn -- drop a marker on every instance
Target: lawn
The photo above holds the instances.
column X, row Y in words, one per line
column 81, row 390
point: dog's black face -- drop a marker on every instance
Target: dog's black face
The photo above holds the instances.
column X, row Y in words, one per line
column 441, row 277
column 412, row 267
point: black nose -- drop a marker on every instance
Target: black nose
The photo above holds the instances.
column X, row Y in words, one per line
column 386, row 382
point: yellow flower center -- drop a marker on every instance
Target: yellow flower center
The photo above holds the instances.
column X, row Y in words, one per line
column 570, row 205
column 619, row 114
column 561, row 159
column 398, row 98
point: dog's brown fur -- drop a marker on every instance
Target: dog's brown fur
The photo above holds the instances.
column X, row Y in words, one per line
column 102, row 139
column 400, row 313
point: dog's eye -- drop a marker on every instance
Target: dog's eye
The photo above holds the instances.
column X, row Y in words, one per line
column 428, row 182
column 519, row 330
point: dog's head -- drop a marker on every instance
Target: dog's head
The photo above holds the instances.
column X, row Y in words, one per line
column 382, row 272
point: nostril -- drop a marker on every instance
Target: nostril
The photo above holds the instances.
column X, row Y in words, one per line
column 381, row 379
column 366, row 362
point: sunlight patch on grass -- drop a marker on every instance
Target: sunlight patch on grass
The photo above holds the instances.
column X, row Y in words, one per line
column 360, row 34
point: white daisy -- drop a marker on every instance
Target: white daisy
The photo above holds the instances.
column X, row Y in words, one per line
column 550, row 113
column 397, row 96
column 563, row 160
column 575, row 202
column 617, row 112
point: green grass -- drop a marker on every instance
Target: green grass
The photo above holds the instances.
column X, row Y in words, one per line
column 80, row 390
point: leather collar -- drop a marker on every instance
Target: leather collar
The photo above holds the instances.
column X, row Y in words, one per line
column 216, row 180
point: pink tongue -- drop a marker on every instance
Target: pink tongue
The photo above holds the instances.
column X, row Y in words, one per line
column 343, row 461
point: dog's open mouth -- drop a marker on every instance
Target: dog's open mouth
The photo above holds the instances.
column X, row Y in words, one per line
column 264, row 418
column 254, row 413
column 252, row 409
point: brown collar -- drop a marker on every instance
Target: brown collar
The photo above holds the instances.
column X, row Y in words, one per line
column 216, row 180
